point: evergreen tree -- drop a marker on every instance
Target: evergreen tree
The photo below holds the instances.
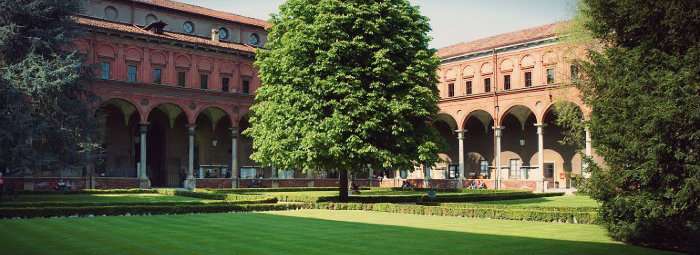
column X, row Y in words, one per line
column 643, row 87
column 45, row 123
column 346, row 84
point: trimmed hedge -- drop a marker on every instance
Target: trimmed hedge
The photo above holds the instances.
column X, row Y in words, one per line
column 289, row 189
column 560, row 215
column 215, row 196
column 32, row 212
column 267, row 200
column 417, row 198
column 88, row 191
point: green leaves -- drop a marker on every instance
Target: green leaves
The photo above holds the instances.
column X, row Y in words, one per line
column 345, row 84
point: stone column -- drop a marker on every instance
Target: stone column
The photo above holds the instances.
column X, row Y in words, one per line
column 497, row 134
column 540, row 158
column 234, row 157
column 144, row 182
column 460, row 138
column 589, row 153
column 190, row 181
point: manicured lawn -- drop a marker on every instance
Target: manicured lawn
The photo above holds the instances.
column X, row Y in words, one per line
column 101, row 198
column 303, row 232
column 560, row 201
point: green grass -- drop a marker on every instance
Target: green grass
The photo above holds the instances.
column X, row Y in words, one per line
column 578, row 201
column 102, row 198
column 303, row 232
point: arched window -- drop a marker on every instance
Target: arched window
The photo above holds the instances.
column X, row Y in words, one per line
column 223, row 33
column 188, row 27
column 254, row 39
column 111, row 13
column 150, row 18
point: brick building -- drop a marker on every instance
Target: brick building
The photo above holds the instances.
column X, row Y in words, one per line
column 175, row 82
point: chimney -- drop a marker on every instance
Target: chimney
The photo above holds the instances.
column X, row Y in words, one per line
column 215, row 34
column 156, row 27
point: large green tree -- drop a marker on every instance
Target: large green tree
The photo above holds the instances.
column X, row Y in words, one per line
column 346, row 84
column 643, row 86
column 45, row 123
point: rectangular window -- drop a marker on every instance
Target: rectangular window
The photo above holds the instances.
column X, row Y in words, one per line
column 506, row 81
column 181, row 78
column 550, row 76
column 487, row 85
column 106, row 72
column 514, row 168
column 484, row 168
column 224, row 84
column 469, row 87
column 574, row 73
column 450, row 90
column 245, row 86
column 528, row 79
column 132, row 73
column 548, row 170
column 203, row 81
column 157, row 79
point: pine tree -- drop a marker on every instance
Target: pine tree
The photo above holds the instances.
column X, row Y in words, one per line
column 346, row 84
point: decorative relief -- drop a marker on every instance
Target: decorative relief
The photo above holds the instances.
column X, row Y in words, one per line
column 468, row 72
column 133, row 54
column 451, row 74
column 549, row 58
column 157, row 58
column 105, row 51
column 487, row 68
column 507, row 65
column 527, row 61
column 182, row 61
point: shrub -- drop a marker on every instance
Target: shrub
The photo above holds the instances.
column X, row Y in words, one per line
column 289, row 189
column 416, row 198
column 31, row 212
column 214, row 196
column 528, row 214
column 88, row 191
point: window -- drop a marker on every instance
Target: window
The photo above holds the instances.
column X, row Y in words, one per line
column 150, row 18
column 514, row 168
column 574, row 73
column 254, row 39
column 157, row 76
column 248, row 172
column 188, row 27
column 450, row 90
column 223, row 33
column 550, row 75
column 487, row 85
column 403, row 174
column 203, row 81
column 105, row 70
column 132, row 73
column 181, row 78
column 506, row 81
column 528, row 79
column 484, row 168
column 245, row 86
column 224, row 84
column 111, row 13
column 548, row 170
column 469, row 87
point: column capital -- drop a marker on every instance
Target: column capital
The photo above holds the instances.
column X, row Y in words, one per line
column 234, row 132
column 460, row 133
column 539, row 125
column 143, row 127
column 191, row 129
column 497, row 130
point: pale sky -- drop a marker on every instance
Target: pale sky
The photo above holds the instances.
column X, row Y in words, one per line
column 453, row 21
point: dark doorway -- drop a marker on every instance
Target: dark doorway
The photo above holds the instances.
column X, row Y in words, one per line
column 157, row 146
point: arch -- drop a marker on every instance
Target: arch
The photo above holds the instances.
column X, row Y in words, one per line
column 126, row 107
column 133, row 54
column 451, row 74
column 520, row 112
column 483, row 116
column 506, row 65
column 486, row 68
column 158, row 58
column 549, row 58
column 448, row 119
column 204, row 64
column 82, row 46
column 246, row 70
column 551, row 109
column 468, row 72
column 214, row 114
column 182, row 61
column 226, row 67
column 527, row 61
column 105, row 51
column 172, row 111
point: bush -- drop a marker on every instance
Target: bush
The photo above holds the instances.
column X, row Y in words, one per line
column 215, row 196
column 267, row 200
column 289, row 189
column 88, row 191
column 416, row 198
column 31, row 212
column 528, row 214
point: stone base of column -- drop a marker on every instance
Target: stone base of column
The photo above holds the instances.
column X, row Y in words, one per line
column 144, row 183
column 539, row 188
column 190, row 183
column 234, row 183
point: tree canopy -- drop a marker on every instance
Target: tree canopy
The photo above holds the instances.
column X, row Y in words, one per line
column 346, row 84
column 44, row 119
column 643, row 87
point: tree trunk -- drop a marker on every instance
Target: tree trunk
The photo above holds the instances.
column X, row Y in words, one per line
column 343, row 185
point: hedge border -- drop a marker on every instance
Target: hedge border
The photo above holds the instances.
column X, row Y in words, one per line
column 419, row 198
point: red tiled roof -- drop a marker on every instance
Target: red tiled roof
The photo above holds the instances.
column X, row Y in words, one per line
column 515, row 37
column 183, row 7
column 128, row 28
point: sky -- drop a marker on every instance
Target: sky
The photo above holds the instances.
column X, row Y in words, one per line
column 452, row 21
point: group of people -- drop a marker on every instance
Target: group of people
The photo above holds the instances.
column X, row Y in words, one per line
column 478, row 184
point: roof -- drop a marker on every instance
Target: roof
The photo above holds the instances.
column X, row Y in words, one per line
column 520, row 36
column 129, row 28
column 183, row 7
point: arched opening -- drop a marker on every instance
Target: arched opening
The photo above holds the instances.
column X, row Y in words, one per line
column 478, row 145
column 518, row 143
column 167, row 155
column 118, row 121
column 561, row 160
column 212, row 148
column 448, row 166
